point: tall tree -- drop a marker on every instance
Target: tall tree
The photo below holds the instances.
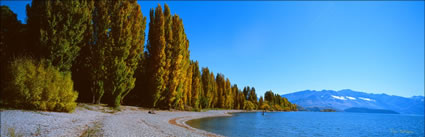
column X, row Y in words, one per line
column 177, row 52
column 138, row 96
column 220, row 90
column 11, row 35
column 156, row 57
column 187, row 94
column 215, row 96
column 169, row 83
column 235, row 92
column 229, row 94
column 84, row 64
column 196, row 85
column 241, row 100
column 253, row 96
column 246, row 92
column 58, row 28
column 94, row 56
column 124, row 49
column 186, row 80
column 207, row 87
column 11, row 44
column 260, row 102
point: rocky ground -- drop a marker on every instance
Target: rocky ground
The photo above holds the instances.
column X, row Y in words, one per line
column 98, row 120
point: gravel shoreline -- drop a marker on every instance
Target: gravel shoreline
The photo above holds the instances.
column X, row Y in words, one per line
column 98, row 120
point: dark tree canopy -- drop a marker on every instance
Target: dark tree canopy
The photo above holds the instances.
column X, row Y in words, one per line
column 101, row 44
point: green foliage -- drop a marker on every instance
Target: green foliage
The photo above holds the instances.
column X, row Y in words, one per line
column 241, row 99
column 220, row 82
column 253, row 96
column 214, row 91
column 156, row 58
column 261, row 102
column 229, row 95
column 277, row 107
column 181, row 50
column 12, row 133
column 203, row 102
column 11, row 34
column 97, row 46
column 196, row 85
column 235, row 92
column 169, row 78
column 248, row 105
column 11, row 43
column 277, row 102
column 265, row 106
column 37, row 85
column 113, row 50
column 58, row 29
column 102, row 43
column 124, row 49
column 208, row 87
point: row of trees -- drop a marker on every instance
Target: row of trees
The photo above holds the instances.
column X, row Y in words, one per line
column 276, row 102
column 98, row 42
column 101, row 44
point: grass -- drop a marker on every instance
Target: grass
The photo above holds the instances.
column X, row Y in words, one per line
column 98, row 107
column 92, row 131
column 38, row 131
column 12, row 133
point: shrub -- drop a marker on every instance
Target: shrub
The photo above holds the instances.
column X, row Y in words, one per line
column 38, row 85
column 248, row 105
column 204, row 102
column 277, row 107
column 265, row 106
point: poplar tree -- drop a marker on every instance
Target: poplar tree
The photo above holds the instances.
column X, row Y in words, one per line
column 253, row 96
column 176, row 49
column 229, row 94
column 196, row 85
column 235, row 92
column 187, row 97
column 167, row 59
column 220, row 90
column 96, row 61
column 58, row 29
column 215, row 97
column 11, row 45
column 260, row 102
column 125, row 48
column 186, row 84
column 156, row 59
column 246, row 92
column 11, row 35
column 170, row 47
column 241, row 100
column 207, row 85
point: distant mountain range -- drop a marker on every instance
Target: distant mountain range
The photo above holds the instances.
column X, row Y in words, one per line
column 368, row 110
column 353, row 100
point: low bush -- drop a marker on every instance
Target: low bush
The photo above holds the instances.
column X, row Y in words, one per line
column 38, row 85
column 248, row 105
column 277, row 107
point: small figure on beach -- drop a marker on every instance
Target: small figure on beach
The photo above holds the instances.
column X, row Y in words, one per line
column 151, row 112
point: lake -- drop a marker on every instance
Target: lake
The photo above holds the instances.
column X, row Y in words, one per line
column 326, row 124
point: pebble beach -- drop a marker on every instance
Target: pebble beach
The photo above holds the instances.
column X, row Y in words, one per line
column 98, row 120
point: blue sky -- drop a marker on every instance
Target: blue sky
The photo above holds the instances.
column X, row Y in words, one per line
column 375, row 47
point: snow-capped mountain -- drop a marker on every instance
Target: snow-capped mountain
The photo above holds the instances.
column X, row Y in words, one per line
column 345, row 99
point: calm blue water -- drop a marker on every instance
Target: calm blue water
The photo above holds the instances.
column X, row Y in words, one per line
column 317, row 124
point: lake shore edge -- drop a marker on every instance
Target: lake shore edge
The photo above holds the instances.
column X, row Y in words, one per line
column 98, row 120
